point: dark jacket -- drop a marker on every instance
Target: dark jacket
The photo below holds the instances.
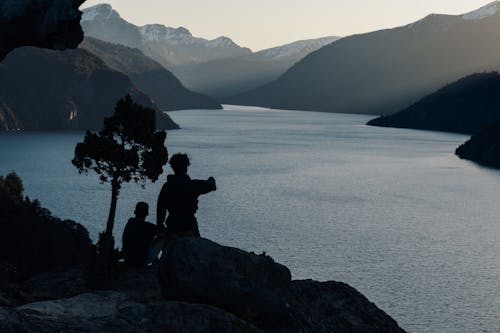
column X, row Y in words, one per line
column 136, row 240
column 179, row 196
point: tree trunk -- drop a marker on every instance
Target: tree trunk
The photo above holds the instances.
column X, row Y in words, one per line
column 101, row 278
column 108, row 236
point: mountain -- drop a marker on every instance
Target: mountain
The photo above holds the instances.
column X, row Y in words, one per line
column 466, row 106
column 216, row 67
column 149, row 76
column 385, row 71
column 170, row 47
column 229, row 76
column 54, row 90
column 483, row 148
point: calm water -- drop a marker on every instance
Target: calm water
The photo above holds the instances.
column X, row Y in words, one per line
column 391, row 212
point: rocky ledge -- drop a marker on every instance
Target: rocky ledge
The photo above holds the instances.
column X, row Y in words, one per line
column 42, row 23
column 199, row 286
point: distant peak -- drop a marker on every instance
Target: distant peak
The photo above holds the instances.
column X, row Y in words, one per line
column 159, row 32
column 102, row 11
column 483, row 12
column 223, row 41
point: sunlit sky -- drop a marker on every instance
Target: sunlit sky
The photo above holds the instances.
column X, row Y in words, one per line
column 260, row 24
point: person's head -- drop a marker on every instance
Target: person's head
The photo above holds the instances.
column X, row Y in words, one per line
column 141, row 210
column 179, row 163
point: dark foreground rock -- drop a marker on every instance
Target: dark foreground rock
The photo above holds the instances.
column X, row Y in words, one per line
column 199, row 270
column 32, row 240
column 260, row 291
column 42, row 23
column 324, row 307
column 199, row 286
column 110, row 312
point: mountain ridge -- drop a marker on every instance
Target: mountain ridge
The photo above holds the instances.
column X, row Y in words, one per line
column 217, row 67
column 467, row 106
column 70, row 90
column 384, row 71
column 149, row 76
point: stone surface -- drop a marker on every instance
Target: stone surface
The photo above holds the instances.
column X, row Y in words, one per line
column 207, row 287
column 116, row 312
column 324, row 307
column 246, row 284
column 53, row 24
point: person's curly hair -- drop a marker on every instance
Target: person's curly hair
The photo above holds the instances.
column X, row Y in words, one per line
column 179, row 163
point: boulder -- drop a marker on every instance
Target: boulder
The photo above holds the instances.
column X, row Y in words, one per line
column 246, row 284
column 112, row 312
column 261, row 292
column 53, row 24
column 324, row 307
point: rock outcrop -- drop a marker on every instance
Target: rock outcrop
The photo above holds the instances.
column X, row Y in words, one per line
column 260, row 291
column 201, row 271
column 114, row 312
column 42, row 23
column 202, row 287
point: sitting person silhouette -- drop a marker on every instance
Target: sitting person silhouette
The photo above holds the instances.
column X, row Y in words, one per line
column 179, row 196
column 138, row 236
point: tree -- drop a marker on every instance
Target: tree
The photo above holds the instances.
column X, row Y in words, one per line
column 12, row 185
column 127, row 149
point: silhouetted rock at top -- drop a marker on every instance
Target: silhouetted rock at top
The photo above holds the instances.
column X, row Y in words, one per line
column 70, row 90
column 42, row 23
column 467, row 106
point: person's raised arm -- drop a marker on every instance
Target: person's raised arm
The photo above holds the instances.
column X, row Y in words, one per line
column 204, row 186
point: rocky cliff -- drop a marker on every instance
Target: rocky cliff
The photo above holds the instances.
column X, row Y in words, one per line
column 202, row 287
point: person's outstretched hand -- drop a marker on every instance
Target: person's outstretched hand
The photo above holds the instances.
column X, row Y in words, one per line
column 211, row 182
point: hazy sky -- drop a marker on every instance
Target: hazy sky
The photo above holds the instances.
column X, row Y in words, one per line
column 260, row 24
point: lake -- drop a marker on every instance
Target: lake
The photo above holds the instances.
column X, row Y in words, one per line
column 391, row 212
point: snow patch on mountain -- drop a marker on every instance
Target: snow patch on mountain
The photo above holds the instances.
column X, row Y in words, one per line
column 301, row 47
column 161, row 33
column 483, row 12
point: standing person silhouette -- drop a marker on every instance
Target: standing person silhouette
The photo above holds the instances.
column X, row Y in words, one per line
column 179, row 196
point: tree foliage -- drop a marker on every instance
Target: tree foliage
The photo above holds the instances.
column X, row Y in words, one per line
column 127, row 149
column 12, row 186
